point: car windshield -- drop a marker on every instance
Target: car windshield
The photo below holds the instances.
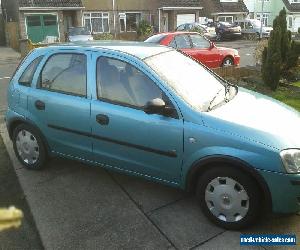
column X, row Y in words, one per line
column 78, row 31
column 190, row 80
column 156, row 38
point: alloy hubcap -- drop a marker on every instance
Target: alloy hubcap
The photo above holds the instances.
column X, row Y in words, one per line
column 227, row 199
column 27, row 147
column 228, row 62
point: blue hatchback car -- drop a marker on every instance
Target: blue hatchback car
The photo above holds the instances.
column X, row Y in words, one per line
column 150, row 111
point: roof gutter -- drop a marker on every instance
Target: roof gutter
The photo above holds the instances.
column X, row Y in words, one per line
column 180, row 8
column 227, row 13
column 51, row 8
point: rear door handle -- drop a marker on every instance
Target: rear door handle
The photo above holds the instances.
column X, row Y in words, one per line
column 40, row 105
column 102, row 119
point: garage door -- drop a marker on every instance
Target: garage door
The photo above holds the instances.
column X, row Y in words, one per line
column 185, row 18
column 296, row 24
column 40, row 26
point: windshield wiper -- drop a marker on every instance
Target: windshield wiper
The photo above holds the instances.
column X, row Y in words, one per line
column 210, row 107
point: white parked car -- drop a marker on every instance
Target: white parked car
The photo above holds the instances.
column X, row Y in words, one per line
column 76, row 34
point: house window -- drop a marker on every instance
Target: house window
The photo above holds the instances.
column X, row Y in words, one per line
column 96, row 22
column 290, row 22
column 265, row 17
column 228, row 19
column 129, row 21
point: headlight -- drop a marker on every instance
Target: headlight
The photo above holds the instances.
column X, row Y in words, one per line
column 291, row 160
column 236, row 53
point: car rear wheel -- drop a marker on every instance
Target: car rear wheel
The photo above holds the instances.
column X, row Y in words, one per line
column 228, row 197
column 29, row 147
column 227, row 62
column 219, row 37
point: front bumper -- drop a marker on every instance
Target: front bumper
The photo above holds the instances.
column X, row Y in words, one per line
column 285, row 191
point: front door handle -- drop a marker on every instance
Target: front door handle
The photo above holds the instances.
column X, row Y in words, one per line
column 40, row 105
column 102, row 119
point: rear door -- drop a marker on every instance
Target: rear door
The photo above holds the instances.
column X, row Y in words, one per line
column 59, row 103
column 124, row 136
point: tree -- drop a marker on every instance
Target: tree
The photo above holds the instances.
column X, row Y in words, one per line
column 281, row 54
column 272, row 60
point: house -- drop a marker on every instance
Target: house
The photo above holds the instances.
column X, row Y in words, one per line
column 293, row 14
column 269, row 9
column 172, row 13
column 224, row 10
column 123, row 16
column 2, row 30
column 39, row 19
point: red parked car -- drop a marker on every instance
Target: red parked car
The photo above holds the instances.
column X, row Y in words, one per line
column 200, row 48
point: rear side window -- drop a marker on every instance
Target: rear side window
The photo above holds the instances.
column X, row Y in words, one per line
column 182, row 42
column 65, row 73
column 27, row 75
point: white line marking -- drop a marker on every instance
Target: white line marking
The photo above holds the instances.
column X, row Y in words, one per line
column 7, row 77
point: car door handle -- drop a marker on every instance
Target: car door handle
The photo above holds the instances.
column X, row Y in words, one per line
column 102, row 119
column 40, row 105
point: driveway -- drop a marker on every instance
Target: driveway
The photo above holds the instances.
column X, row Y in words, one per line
column 76, row 206
column 245, row 48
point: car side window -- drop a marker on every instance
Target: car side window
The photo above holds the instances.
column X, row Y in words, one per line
column 183, row 42
column 65, row 73
column 120, row 82
column 173, row 44
column 28, row 73
column 199, row 42
column 181, row 27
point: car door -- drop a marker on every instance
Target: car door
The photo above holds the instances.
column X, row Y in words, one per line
column 59, row 103
column 203, row 52
column 124, row 136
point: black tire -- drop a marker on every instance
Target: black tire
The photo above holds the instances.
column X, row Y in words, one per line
column 39, row 162
column 226, row 61
column 219, row 37
column 253, row 204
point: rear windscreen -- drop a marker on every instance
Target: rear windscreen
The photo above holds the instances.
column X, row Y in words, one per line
column 156, row 38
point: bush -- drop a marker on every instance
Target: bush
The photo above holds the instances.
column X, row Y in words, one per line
column 272, row 59
column 144, row 30
column 281, row 54
column 103, row 36
column 197, row 29
column 258, row 53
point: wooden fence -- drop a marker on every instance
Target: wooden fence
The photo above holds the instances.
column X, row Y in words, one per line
column 235, row 72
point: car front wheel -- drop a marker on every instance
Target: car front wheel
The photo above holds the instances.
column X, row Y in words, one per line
column 227, row 62
column 229, row 197
column 29, row 147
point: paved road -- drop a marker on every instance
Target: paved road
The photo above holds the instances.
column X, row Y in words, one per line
column 9, row 60
column 246, row 50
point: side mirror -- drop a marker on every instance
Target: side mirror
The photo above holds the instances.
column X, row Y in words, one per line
column 158, row 106
column 155, row 106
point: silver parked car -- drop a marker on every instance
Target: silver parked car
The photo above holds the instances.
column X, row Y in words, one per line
column 252, row 27
column 208, row 32
column 76, row 34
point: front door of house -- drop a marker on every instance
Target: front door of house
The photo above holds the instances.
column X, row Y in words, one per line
column 165, row 24
column 41, row 26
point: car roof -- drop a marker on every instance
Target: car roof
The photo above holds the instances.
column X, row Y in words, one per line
column 138, row 49
column 177, row 32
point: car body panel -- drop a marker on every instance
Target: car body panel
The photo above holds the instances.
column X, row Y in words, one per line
column 212, row 57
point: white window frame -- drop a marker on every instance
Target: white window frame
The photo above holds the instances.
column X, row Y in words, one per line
column 125, row 16
column 84, row 17
column 266, row 17
column 231, row 17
